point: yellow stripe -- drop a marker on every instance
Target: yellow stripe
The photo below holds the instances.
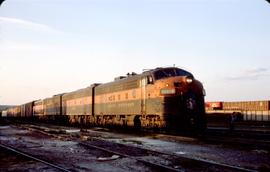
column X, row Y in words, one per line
column 127, row 95
column 79, row 101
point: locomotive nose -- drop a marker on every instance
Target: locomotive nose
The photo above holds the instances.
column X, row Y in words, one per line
column 177, row 84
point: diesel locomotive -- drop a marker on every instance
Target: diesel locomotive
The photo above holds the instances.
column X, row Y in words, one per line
column 159, row 98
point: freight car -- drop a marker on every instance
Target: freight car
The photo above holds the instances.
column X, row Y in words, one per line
column 157, row 98
column 38, row 109
column 27, row 109
column 14, row 111
column 249, row 110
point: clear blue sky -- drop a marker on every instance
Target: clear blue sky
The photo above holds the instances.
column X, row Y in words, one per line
column 53, row 46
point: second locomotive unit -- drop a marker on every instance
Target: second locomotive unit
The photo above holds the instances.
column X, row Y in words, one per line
column 159, row 98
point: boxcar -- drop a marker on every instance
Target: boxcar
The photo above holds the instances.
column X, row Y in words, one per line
column 27, row 109
column 38, row 109
column 262, row 105
column 245, row 110
column 14, row 111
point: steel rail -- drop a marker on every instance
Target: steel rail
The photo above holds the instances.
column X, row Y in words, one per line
column 32, row 157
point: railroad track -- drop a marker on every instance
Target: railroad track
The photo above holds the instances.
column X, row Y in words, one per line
column 120, row 153
column 243, row 132
column 32, row 157
column 173, row 162
column 238, row 137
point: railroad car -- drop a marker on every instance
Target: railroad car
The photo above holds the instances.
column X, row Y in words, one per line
column 214, row 105
column 38, row 109
column 244, row 110
column 27, row 109
column 52, row 107
column 14, row 111
column 158, row 98
column 262, row 105
column 78, row 106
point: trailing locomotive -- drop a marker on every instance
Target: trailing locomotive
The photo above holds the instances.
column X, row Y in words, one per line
column 158, row 98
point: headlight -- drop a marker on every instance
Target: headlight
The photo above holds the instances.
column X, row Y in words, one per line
column 189, row 80
column 167, row 91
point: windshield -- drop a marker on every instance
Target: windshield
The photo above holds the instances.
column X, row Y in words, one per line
column 165, row 73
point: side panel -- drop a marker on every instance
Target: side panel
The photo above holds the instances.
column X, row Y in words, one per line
column 142, row 99
column 9, row 112
column 143, row 83
column 126, row 102
column 247, row 105
column 29, row 109
column 154, row 103
column 22, row 110
column 78, row 102
column 14, row 111
column 38, row 109
column 118, row 98
column 17, row 111
column 53, row 105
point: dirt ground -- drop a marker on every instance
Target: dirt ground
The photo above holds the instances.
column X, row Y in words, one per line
column 69, row 154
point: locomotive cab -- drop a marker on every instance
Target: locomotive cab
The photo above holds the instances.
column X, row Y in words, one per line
column 180, row 98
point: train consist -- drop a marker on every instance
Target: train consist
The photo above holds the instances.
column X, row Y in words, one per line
column 157, row 98
column 243, row 110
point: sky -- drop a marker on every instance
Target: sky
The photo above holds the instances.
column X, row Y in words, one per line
column 56, row 46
